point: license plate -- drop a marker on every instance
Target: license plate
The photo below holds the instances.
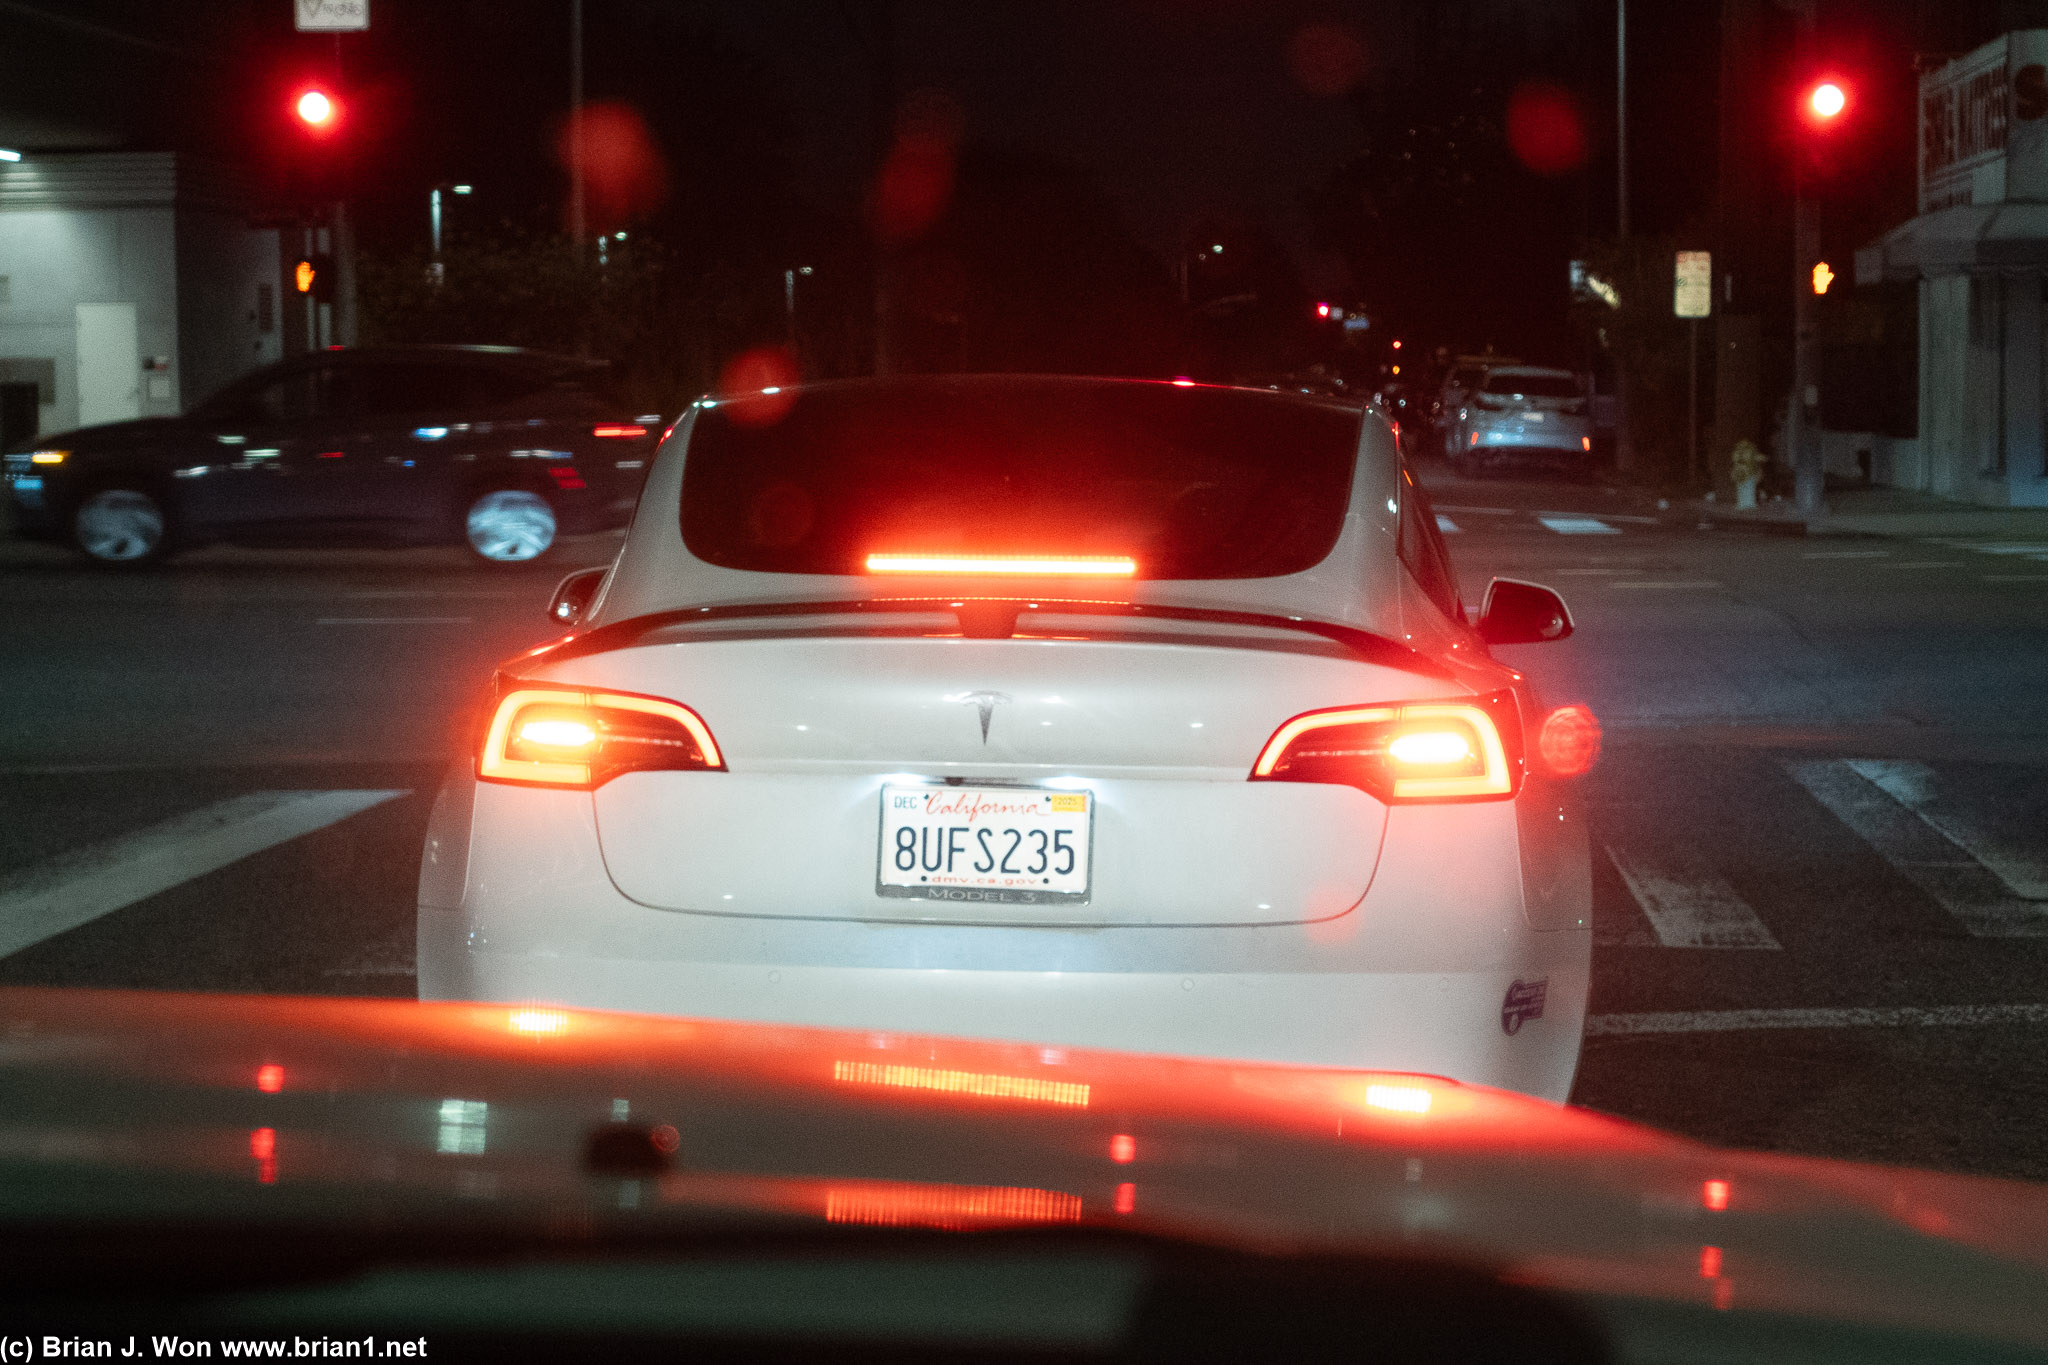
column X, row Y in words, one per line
column 986, row 845
column 1532, row 417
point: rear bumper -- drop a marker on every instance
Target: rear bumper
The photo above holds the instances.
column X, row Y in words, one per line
column 1420, row 978
column 1558, row 441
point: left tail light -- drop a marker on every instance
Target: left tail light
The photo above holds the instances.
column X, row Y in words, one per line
column 1404, row 751
column 548, row 737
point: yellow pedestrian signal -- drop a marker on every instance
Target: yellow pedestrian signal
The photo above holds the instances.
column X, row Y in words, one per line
column 1822, row 277
column 303, row 276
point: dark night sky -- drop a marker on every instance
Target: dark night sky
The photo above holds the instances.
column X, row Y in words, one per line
column 1177, row 108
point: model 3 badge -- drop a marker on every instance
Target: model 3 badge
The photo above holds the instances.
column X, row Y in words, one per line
column 1524, row 1001
column 985, row 703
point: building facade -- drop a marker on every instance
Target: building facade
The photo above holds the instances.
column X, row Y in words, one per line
column 1978, row 252
column 131, row 285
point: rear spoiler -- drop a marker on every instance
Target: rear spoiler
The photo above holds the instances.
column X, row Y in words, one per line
column 995, row 618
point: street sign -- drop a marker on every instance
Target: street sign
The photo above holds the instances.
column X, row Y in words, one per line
column 330, row 16
column 1695, row 294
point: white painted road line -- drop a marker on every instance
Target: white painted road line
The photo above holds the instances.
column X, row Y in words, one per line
column 1579, row 526
column 1922, row 854
column 394, row 620
column 1846, row 554
column 1479, row 511
column 1604, row 516
column 1664, row 583
column 2024, row 872
column 1732, row 1021
column 44, row 901
column 1594, row 571
column 1688, row 905
column 1446, row 525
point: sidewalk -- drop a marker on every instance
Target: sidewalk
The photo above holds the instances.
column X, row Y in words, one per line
column 1874, row 512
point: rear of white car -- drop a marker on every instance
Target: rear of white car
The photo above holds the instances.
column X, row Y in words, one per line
column 1082, row 712
column 1525, row 413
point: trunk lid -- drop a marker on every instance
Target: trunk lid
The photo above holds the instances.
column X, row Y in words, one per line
column 1158, row 723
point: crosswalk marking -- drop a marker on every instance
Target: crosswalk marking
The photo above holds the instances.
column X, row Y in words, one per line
column 1579, row 526
column 1446, row 525
column 2030, row 549
column 1912, row 785
column 1731, row 1021
column 1922, row 853
column 1688, row 905
column 60, row 895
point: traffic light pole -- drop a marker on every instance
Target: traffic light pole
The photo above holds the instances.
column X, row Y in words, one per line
column 1802, row 434
column 1802, row 439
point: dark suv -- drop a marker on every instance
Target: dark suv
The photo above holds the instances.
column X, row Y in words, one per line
column 500, row 448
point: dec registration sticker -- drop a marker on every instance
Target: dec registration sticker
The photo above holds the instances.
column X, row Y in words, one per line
column 991, row 845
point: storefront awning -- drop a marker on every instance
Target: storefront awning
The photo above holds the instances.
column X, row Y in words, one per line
column 1953, row 241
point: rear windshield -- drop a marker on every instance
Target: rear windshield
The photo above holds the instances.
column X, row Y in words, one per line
column 1534, row 385
column 1191, row 483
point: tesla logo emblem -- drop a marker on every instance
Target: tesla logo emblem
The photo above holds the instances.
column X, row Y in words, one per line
column 983, row 702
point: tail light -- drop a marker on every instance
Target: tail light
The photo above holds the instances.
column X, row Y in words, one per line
column 544, row 737
column 623, row 431
column 1404, row 751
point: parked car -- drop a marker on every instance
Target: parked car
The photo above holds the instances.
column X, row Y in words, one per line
column 1525, row 413
column 503, row 449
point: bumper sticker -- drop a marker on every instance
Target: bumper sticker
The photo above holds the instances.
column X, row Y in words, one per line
column 1523, row 1002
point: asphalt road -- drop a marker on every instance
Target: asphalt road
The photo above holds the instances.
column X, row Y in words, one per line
column 1821, row 824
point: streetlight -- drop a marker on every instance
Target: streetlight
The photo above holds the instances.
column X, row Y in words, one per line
column 789, row 302
column 434, row 222
column 9, row 154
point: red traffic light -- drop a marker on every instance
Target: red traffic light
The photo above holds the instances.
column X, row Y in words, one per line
column 1823, row 103
column 315, row 108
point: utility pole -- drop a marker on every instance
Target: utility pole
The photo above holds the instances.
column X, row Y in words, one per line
column 578, row 228
column 1624, row 444
column 1621, row 118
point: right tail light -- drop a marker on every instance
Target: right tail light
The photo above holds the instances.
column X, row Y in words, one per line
column 1404, row 751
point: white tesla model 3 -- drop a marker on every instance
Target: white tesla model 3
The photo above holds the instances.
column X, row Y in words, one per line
column 1084, row 712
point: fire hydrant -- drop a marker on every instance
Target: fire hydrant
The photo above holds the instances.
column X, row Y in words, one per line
column 1746, row 466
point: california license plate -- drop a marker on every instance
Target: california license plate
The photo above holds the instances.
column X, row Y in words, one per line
column 986, row 844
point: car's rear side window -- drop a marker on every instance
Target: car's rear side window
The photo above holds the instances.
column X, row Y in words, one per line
column 1424, row 552
column 1188, row 482
column 1533, row 385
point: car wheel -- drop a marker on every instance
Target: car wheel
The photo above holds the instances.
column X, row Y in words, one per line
column 510, row 526
column 122, row 527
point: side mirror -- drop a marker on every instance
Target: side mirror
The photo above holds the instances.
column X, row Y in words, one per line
column 574, row 594
column 1518, row 613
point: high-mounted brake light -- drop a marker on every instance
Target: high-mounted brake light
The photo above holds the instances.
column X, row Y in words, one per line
column 545, row 737
column 1069, row 566
column 623, row 430
column 1406, row 751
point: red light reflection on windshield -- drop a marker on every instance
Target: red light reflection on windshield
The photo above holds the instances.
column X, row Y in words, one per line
column 952, row 1207
column 1028, row 1088
column 1126, row 1197
column 263, row 1149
